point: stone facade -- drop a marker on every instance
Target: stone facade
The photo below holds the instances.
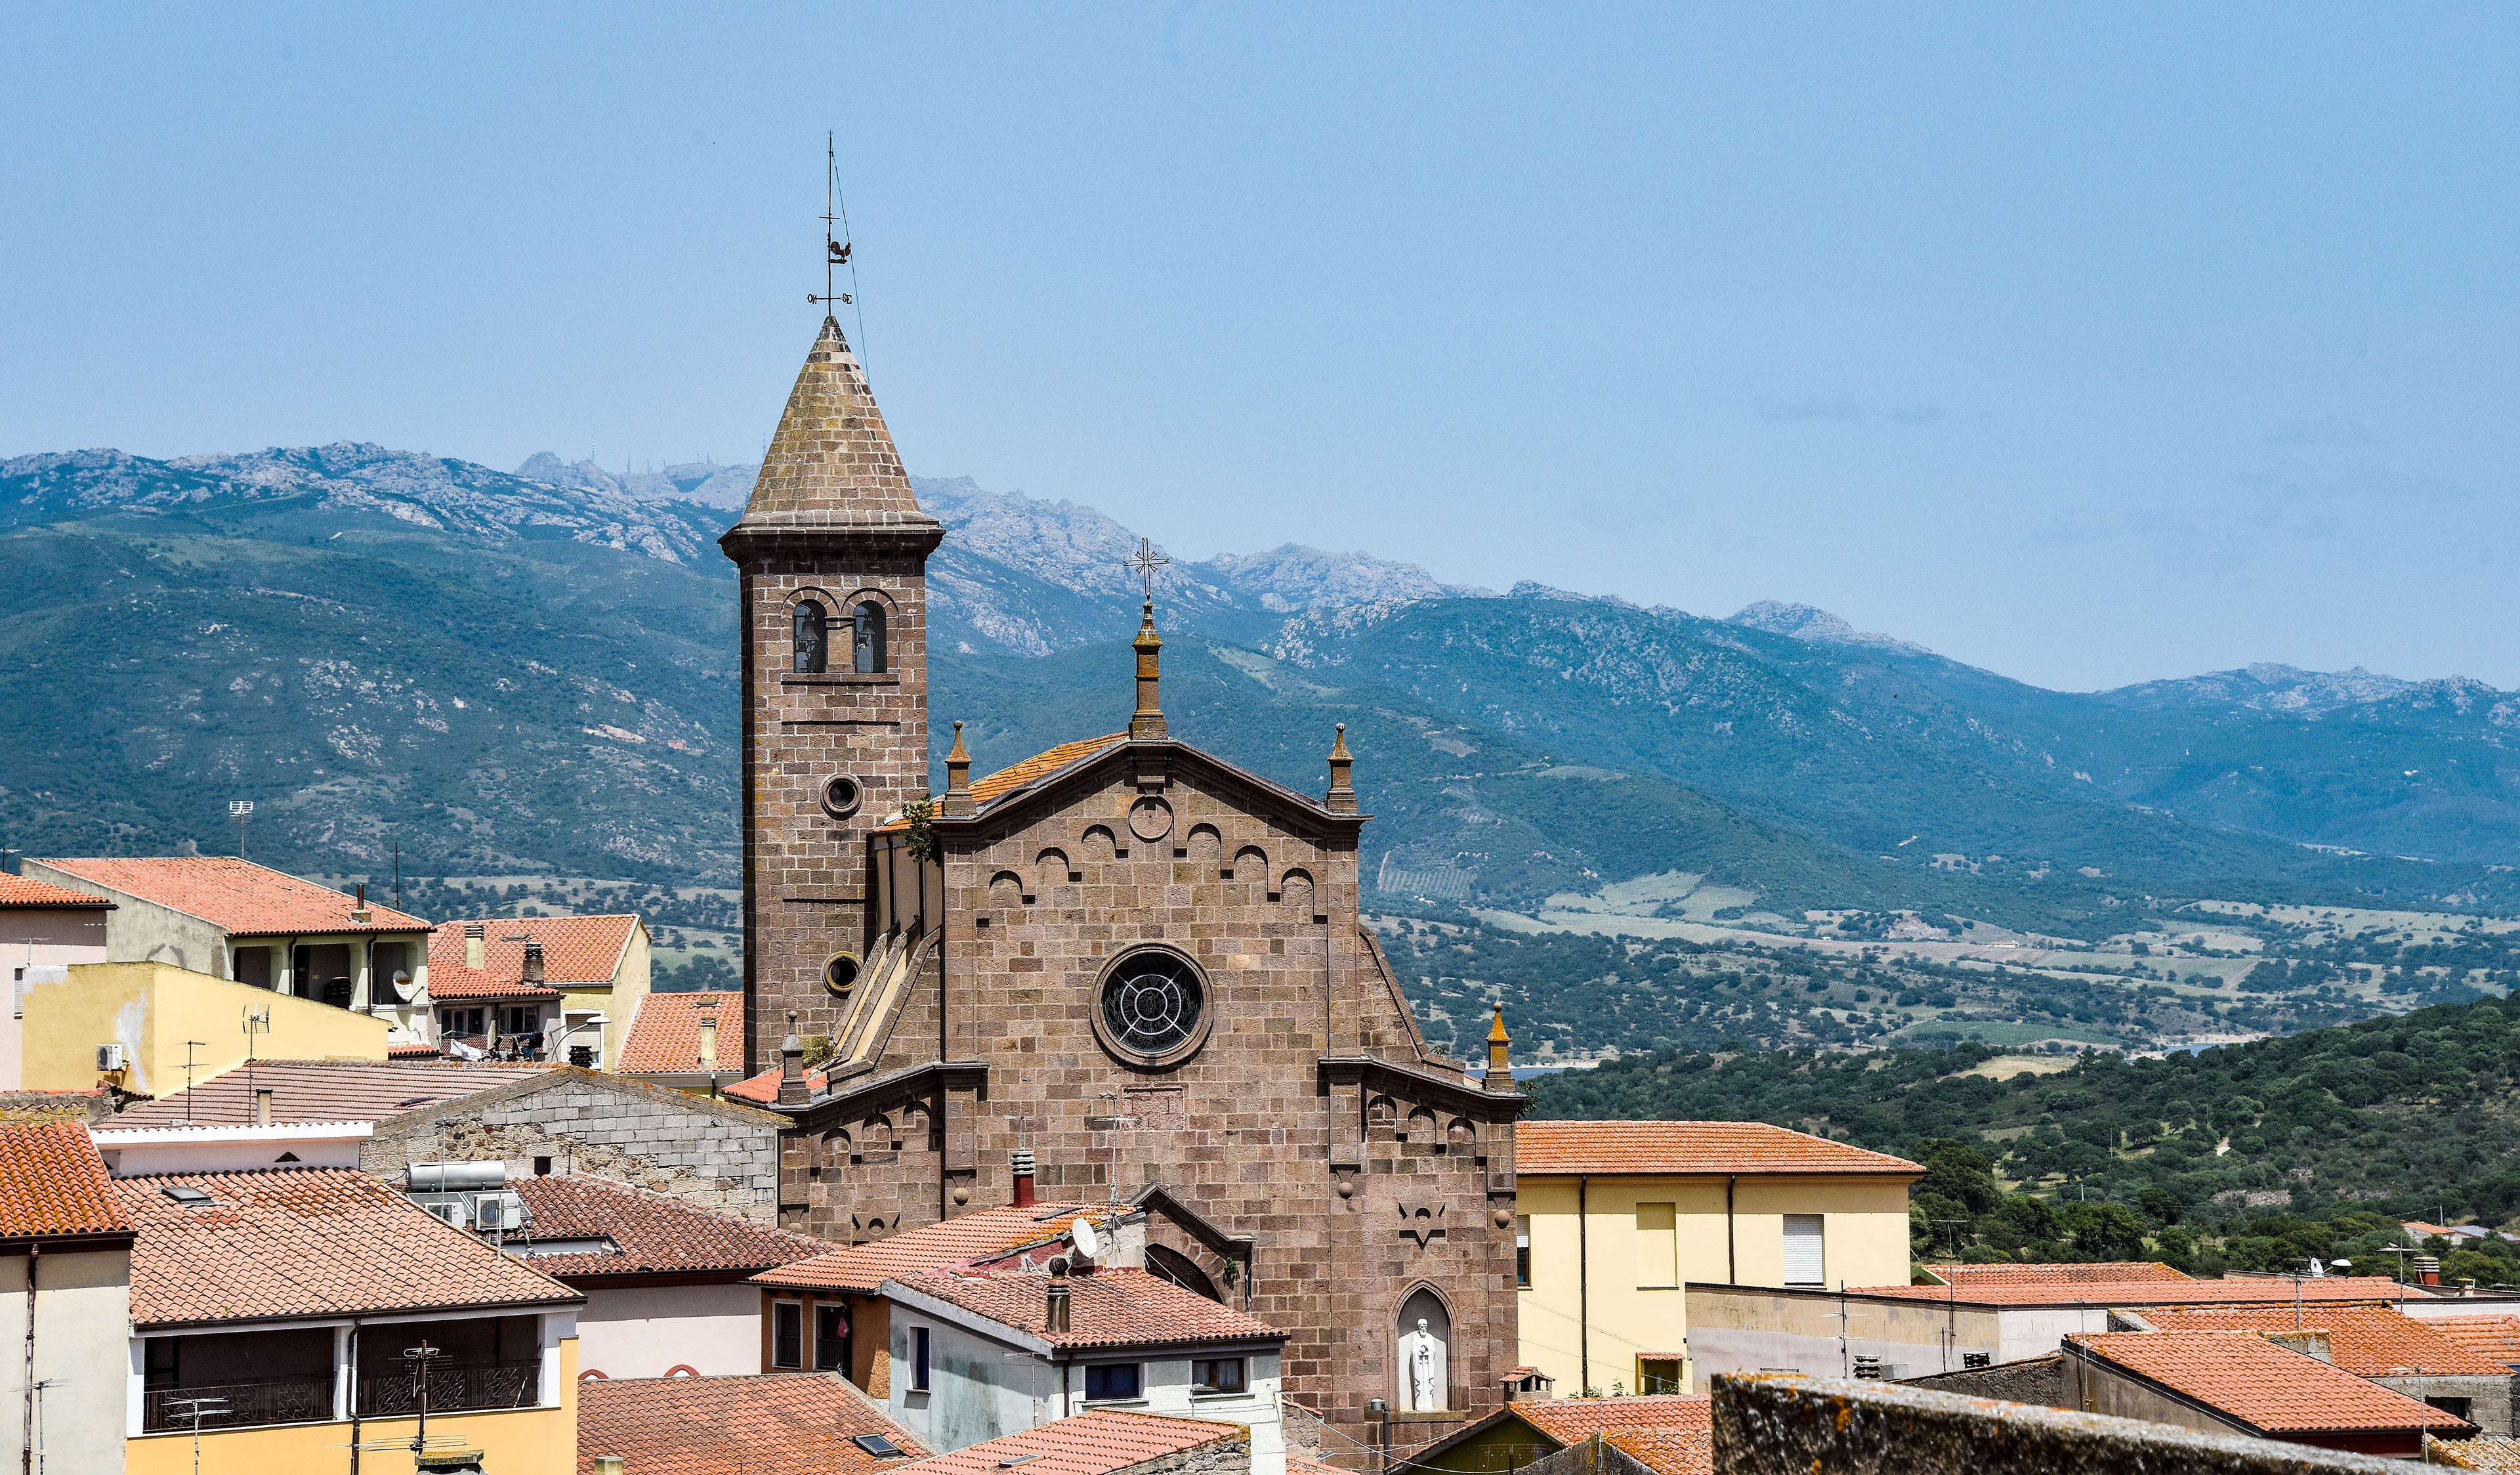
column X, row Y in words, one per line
column 718, row 1155
column 1298, row 1143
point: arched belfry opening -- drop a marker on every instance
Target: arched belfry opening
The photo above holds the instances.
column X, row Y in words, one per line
column 866, row 639
column 813, row 637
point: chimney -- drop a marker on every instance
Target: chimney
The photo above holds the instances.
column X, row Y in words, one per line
column 611, row 1464
column 359, row 908
column 472, row 944
column 2428, row 1269
column 1500, row 1076
column 791, row 1067
column 708, row 1044
column 1056, row 1319
column 533, row 973
column 1023, row 1180
column 262, row 1107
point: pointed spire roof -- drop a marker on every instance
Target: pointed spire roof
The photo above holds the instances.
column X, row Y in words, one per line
column 832, row 464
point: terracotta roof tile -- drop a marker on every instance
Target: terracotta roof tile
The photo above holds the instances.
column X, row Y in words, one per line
column 980, row 1235
column 1669, row 1449
column 52, row 1184
column 1098, row 1442
column 655, row 1234
column 665, row 1033
column 2118, row 1271
column 306, row 1242
column 1678, row 1147
column 238, row 897
column 2271, row 1389
column 326, row 1091
column 1041, row 765
column 2484, row 1452
column 2368, row 1341
column 25, row 890
column 1568, row 1420
column 2369, row 1289
column 760, row 1424
column 1106, row 1308
column 2496, row 1339
column 1297, row 1464
column 581, row 950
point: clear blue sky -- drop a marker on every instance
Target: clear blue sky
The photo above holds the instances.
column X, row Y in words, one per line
column 2087, row 343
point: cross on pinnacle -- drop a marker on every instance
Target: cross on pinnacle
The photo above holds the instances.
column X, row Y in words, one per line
column 836, row 250
column 1147, row 563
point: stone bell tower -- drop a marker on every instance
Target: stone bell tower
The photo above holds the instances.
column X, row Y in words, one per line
column 831, row 554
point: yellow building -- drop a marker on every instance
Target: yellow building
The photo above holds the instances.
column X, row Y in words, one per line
column 1617, row 1217
column 292, row 1309
column 133, row 1025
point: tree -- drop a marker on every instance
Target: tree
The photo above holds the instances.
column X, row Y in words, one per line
column 2159, row 1204
column 1958, row 1171
column 2106, row 1231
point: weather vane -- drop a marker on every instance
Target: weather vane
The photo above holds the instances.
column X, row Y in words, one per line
column 1147, row 563
column 836, row 246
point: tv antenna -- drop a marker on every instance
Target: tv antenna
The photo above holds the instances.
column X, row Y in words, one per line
column 188, row 1077
column 240, row 811
column 256, row 1022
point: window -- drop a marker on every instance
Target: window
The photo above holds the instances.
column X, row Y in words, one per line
column 919, row 1359
column 2454, row 1408
column 542, row 1167
column 788, row 1334
column 1153, row 1000
column 253, row 966
column 1523, row 1250
column 1657, row 1376
column 1804, row 1264
column 1111, row 1380
column 1657, row 1247
column 522, row 1021
column 1217, row 1375
column 1167, row 1263
column 865, row 640
column 830, row 1340
column 813, row 636
column 460, row 1022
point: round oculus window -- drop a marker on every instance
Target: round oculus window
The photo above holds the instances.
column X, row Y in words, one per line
column 1153, row 1005
column 840, row 972
column 842, row 796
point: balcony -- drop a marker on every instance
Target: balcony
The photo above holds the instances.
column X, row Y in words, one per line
column 453, row 1387
column 238, row 1406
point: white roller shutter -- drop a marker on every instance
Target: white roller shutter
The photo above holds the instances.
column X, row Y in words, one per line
column 1804, row 1265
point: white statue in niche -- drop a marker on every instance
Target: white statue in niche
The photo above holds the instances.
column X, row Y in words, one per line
column 1425, row 1387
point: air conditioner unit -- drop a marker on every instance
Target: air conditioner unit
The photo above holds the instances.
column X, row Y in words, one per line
column 109, row 1057
column 493, row 1212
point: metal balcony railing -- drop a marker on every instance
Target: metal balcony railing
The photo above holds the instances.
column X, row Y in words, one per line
column 295, row 1401
column 453, row 1387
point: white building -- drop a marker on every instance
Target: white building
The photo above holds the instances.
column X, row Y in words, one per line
column 66, row 1257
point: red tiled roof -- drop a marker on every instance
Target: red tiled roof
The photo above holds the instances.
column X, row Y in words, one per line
column 576, row 950
column 1297, row 1464
column 25, row 890
column 1113, row 1308
column 326, row 1091
column 2496, row 1339
column 52, row 1184
column 758, row 1424
column 1090, row 1444
column 2116, row 1272
column 981, row 1233
column 2271, row 1389
column 2369, row 1289
column 2368, row 1341
column 655, row 1234
column 1568, row 1420
column 1670, row 1450
column 1041, row 765
column 1683, row 1147
column 665, row 1034
column 2484, row 1452
column 287, row 1242
column 238, row 897
column 414, row 1052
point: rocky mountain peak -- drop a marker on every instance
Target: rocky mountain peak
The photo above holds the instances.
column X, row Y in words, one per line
column 1803, row 622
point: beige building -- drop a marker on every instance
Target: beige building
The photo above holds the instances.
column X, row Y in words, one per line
column 1616, row 1219
column 558, row 989
column 155, row 1029
column 66, row 1259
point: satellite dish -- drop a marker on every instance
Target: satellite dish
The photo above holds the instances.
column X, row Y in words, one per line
column 1087, row 1243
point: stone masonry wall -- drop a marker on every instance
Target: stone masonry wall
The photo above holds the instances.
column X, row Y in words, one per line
column 714, row 1154
column 1770, row 1425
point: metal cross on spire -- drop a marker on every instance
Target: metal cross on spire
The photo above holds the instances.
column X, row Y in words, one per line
column 1147, row 563
column 836, row 243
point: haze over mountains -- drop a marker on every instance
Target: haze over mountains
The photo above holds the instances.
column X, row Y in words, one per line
column 525, row 671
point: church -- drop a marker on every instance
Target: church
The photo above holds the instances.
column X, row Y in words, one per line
column 1126, row 960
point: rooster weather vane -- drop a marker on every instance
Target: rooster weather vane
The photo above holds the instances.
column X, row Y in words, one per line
column 836, row 249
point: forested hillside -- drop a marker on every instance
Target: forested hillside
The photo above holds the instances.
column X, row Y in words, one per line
column 2246, row 1155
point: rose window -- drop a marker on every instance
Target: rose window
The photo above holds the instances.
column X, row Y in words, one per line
column 1152, row 1003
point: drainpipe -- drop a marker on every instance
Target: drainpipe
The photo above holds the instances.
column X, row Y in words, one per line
column 1732, row 1257
column 27, row 1443
column 354, row 1397
column 1583, row 1288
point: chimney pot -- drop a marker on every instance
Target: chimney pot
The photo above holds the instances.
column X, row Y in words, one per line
column 359, row 905
column 1055, row 1316
column 791, row 1067
column 472, row 944
column 1024, row 1198
column 262, row 1106
column 533, row 970
column 611, row 1464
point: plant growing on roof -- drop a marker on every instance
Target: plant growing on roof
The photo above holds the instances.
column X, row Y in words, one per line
column 920, row 816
